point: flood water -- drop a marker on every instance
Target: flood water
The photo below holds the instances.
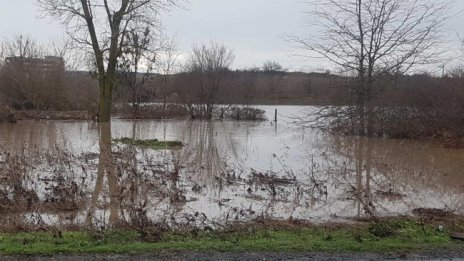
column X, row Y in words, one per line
column 53, row 172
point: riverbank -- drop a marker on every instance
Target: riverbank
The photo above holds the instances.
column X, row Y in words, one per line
column 400, row 236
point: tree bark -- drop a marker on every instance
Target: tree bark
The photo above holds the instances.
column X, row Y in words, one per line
column 106, row 95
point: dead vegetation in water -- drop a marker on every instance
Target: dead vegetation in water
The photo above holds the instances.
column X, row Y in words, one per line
column 19, row 190
column 390, row 194
column 42, row 189
column 36, row 186
column 270, row 178
column 150, row 194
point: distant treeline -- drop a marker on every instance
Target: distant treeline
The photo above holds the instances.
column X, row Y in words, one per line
column 78, row 90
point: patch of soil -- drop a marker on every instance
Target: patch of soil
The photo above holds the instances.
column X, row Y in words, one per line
column 457, row 236
column 433, row 212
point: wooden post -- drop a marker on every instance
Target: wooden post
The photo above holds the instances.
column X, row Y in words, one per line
column 275, row 115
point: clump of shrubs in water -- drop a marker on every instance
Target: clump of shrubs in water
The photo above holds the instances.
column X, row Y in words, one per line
column 227, row 112
column 193, row 111
column 152, row 111
column 245, row 113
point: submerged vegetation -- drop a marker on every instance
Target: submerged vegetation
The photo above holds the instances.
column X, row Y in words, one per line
column 402, row 236
column 151, row 144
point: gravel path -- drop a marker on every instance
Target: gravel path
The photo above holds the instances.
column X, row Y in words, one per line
column 457, row 255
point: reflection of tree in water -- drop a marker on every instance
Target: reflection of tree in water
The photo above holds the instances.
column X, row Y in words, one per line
column 106, row 168
column 127, row 184
column 138, row 182
column 50, row 136
column 27, row 135
column 362, row 177
column 384, row 176
column 201, row 155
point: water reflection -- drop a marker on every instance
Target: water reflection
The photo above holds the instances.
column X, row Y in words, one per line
column 393, row 177
column 71, row 173
column 203, row 161
column 106, row 169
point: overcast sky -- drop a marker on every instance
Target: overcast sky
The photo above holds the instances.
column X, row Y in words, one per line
column 254, row 29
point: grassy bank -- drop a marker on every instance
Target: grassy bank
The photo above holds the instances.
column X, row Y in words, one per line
column 387, row 236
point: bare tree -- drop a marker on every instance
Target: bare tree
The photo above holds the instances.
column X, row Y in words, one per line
column 373, row 43
column 135, row 66
column 371, row 39
column 272, row 67
column 103, row 26
column 168, row 62
column 22, row 46
column 63, row 47
column 208, row 65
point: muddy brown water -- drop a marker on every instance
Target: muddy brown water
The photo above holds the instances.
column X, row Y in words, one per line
column 226, row 171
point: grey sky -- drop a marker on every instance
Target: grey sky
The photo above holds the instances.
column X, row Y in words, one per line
column 253, row 28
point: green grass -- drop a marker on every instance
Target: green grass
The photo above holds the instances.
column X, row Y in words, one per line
column 151, row 144
column 402, row 236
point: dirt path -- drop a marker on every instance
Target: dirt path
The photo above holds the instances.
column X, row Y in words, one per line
column 456, row 255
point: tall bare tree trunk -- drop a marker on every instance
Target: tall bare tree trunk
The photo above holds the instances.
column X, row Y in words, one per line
column 106, row 89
